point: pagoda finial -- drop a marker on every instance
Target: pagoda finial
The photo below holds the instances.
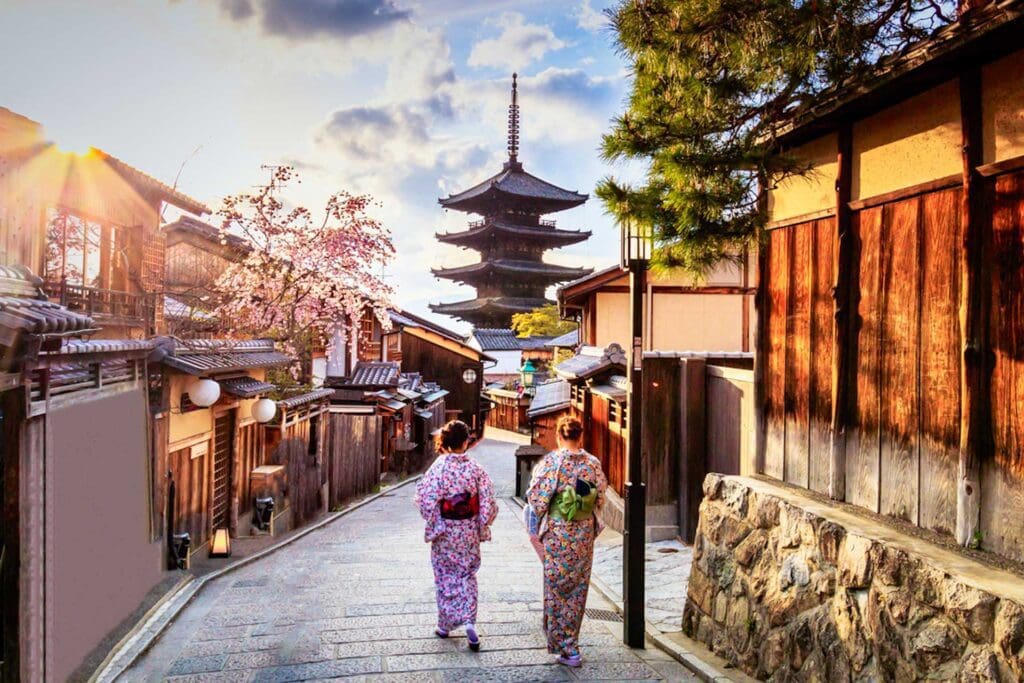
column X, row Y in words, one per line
column 513, row 123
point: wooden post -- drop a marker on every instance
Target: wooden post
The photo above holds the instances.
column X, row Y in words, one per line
column 761, row 340
column 845, row 326
column 974, row 314
column 693, row 460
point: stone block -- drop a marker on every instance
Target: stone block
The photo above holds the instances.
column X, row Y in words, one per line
column 700, row 590
column 889, row 564
column 795, row 571
column 849, row 628
column 936, row 643
column 749, row 550
column 855, row 562
column 763, row 510
column 1009, row 635
column 712, row 486
column 980, row 666
column 830, row 540
column 972, row 609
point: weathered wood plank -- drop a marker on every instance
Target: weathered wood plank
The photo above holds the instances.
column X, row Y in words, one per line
column 798, row 353
column 940, row 359
column 863, row 441
column 823, row 260
column 1002, row 509
column 845, row 295
column 775, row 355
column 661, row 415
column 898, row 361
column 693, row 460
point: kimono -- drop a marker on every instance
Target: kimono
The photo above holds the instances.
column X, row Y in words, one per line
column 455, row 543
column 568, row 545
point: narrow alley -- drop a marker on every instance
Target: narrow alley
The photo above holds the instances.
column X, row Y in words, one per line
column 354, row 600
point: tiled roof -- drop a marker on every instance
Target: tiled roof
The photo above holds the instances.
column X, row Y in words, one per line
column 208, row 356
column 590, row 361
column 179, row 310
column 513, row 183
column 491, row 339
column 151, row 185
column 433, row 395
column 207, row 231
column 375, row 374
column 534, row 343
column 25, row 310
column 614, row 389
column 303, row 399
column 72, row 347
column 569, row 340
column 549, row 397
column 406, row 319
column 245, row 387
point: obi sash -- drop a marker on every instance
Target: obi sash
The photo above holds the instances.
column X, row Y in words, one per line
column 460, row 506
column 575, row 503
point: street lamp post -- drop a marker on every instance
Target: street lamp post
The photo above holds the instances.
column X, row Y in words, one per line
column 636, row 255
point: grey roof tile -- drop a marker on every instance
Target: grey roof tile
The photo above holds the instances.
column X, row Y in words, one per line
column 549, row 397
column 375, row 374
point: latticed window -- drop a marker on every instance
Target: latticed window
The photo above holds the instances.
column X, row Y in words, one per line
column 83, row 252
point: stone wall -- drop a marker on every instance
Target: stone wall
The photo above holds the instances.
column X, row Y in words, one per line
column 789, row 588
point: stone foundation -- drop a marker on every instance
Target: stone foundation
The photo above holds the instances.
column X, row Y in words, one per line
column 661, row 519
column 790, row 588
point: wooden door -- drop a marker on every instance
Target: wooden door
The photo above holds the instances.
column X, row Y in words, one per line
column 223, row 456
column 597, row 436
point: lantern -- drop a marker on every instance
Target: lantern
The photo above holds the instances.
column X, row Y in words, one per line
column 204, row 392
column 527, row 372
column 221, row 544
column 636, row 244
column 263, row 410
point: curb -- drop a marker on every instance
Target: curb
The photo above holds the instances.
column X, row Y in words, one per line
column 137, row 641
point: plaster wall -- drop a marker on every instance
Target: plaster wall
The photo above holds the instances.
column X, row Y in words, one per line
column 913, row 142
column 1002, row 108
column 100, row 561
column 799, row 195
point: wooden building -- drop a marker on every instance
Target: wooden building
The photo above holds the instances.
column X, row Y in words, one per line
column 681, row 313
column 88, row 224
column 424, row 347
column 75, row 480
column 551, row 401
column 511, row 237
column 210, row 453
column 890, row 357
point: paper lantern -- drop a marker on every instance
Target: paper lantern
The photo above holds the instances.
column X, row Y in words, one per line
column 204, row 392
column 263, row 410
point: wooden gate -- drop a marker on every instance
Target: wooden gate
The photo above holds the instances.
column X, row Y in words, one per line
column 223, row 455
column 354, row 455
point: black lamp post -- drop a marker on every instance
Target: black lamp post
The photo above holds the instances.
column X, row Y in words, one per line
column 636, row 255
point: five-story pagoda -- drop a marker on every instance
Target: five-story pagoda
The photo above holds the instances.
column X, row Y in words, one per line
column 511, row 276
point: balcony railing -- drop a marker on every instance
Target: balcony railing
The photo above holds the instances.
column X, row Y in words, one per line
column 128, row 307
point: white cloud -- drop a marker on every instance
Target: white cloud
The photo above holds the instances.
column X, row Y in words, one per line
column 590, row 19
column 518, row 44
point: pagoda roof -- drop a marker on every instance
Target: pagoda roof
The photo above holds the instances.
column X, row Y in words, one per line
column 513, row 186
column 490, row 305
column 494, row 227
column 528, row 269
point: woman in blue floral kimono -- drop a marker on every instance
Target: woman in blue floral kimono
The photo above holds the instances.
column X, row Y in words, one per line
column 565, row 497
column 456, row 498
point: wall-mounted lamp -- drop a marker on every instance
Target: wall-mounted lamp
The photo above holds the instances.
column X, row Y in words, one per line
column 221, row 544
column 180, row 543
column 263, row 410
column 204, row 392
column 263, row 511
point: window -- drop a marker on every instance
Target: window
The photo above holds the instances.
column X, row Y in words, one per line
column 84, row 252
column 613, row 412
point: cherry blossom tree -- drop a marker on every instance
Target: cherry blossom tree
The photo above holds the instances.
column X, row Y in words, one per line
column 307, row 275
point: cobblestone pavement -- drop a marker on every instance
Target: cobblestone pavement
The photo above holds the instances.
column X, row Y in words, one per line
column 667, row 569
column 354, row 601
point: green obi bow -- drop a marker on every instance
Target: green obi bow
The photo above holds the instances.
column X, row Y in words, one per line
column 572, row 506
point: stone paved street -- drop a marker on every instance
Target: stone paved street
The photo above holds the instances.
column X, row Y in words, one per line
column 354, row 601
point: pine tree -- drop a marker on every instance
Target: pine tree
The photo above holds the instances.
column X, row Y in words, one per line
column 714, row 80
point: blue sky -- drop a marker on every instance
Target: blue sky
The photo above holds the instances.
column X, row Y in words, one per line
column 404, row 99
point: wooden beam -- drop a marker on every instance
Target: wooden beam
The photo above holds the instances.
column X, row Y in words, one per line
column 907, row 192
column 844, row 297
column 975, row 426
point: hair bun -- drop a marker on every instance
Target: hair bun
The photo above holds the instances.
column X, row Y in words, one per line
column 570, row 428
column 453, row 435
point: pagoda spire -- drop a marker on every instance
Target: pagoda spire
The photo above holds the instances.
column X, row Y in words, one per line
column 513, row 123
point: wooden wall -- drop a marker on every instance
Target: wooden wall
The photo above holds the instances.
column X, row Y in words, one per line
column 191, row 495
column 1002, row 476
column 354, row 458
column 446, row 367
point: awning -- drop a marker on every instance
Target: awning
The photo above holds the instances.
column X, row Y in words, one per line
column 245, row 387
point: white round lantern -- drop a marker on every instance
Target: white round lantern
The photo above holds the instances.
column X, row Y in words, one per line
column 204, row 392
column 263, row 410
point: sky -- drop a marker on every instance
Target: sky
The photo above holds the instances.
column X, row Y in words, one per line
column 403, row 99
